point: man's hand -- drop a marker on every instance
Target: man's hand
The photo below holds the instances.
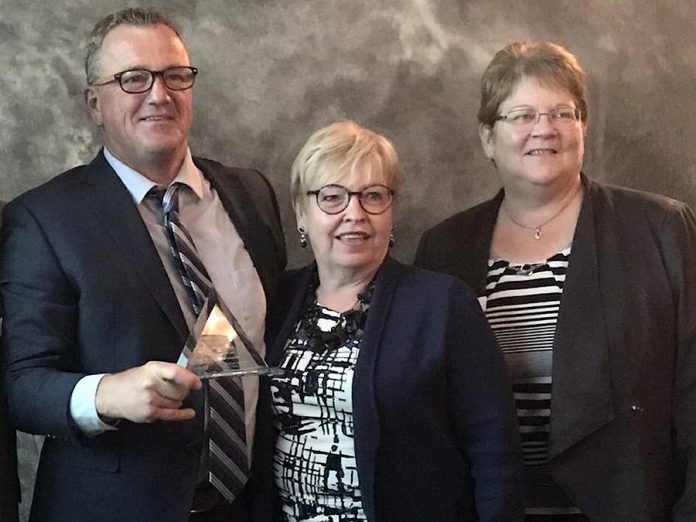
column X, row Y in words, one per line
column 154, row 391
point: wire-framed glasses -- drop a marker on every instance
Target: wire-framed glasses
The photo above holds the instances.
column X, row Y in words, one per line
column 332, row 199
column 135, row 81
column 564, row 117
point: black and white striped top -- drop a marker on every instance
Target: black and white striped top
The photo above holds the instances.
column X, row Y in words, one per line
column 521, row 305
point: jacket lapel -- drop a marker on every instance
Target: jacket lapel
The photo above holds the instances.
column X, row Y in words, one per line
column 475, row 264
column 115, row 209
column 365, row 415
column 244, row 215
column 581, row 398
column 283, row 316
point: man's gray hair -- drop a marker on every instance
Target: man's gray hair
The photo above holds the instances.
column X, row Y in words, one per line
column 134, row 16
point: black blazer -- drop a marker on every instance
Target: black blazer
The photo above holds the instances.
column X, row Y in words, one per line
column 435, row 430
column 9, row 482
column 85, row 292
column 623, row 411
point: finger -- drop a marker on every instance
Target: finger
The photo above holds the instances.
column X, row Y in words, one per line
column 175, row 374
column 165, row 402
column 170, row 390
column 173, row 414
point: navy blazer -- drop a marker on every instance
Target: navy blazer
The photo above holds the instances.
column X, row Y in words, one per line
column 623, row 412
column 9, row 481
column 435, row 429
column 85, row 292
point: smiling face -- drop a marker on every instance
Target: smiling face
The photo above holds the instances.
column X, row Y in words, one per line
column 147, row 128
column 351, row 244
column 543, row 156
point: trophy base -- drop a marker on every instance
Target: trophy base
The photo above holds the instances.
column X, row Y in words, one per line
column 209, row 373
column 218, row 347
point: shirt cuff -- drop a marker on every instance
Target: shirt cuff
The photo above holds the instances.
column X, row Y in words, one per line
column 83, row 408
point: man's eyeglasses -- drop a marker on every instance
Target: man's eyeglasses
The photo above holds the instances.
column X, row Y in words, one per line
column 135, row 81
column 526, row 118
column 332, row 199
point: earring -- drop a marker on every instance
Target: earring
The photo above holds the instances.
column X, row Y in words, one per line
column 391, row 239
column 303, row 237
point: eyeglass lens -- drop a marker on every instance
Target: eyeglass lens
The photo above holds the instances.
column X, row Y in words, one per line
column 526, row 117
column 374, row 199
column 141, row 80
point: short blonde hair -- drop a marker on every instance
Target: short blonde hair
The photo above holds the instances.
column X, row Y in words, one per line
column 338, row 149
column 549, row 63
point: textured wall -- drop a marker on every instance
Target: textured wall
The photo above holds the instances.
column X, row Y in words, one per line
column 274, row 71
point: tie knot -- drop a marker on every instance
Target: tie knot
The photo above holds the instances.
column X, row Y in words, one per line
column 170, row 201
column 156, row 193
column 168, row 198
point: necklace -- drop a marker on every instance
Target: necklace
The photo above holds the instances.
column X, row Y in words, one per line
column 537, row 228
column 350, row 324
column 526, row 269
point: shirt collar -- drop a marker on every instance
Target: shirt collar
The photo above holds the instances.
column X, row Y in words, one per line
column 138, row 185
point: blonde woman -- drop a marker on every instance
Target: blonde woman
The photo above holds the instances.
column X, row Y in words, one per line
column 394, row 404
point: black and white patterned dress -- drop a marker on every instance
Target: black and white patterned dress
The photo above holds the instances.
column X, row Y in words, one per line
column 314, row 460
column 521, row 305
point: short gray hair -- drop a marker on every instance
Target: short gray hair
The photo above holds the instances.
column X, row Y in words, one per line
column 134, row 16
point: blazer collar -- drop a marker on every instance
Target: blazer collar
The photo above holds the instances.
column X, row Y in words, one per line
column 365, row 416
column 283, row 317
column 114, row 207
column 240, row 206
column 581, row 401
column 476, row 270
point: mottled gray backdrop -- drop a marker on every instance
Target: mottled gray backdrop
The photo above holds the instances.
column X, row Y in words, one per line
column 274, row 71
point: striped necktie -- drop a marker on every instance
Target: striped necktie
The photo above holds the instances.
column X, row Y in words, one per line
column 228, row 461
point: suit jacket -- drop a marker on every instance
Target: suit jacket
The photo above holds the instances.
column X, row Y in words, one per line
column 9, row 482
column 435, row 431
column 623, row 410
column 85, row 293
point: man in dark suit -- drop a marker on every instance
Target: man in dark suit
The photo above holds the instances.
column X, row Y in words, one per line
column 9, row 483
column 96, row 311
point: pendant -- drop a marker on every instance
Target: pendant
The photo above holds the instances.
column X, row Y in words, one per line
column 537, row 232
column 526, row 269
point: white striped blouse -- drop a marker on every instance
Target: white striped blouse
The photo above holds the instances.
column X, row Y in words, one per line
column 521, row 305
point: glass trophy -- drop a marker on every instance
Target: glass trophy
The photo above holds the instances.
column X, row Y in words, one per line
column 217, row 345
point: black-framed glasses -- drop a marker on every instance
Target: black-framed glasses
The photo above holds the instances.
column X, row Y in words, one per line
column 136, row 81
column 332, row 199
column 527, row 117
